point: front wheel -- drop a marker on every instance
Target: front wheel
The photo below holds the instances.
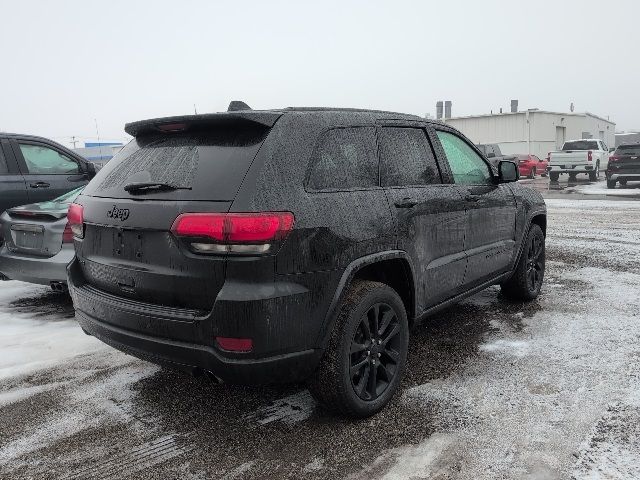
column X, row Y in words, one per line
column 526, row 281
column 366, row 354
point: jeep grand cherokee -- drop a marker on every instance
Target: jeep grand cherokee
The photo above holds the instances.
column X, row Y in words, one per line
column 296, row 244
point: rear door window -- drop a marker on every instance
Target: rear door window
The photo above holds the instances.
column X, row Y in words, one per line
column 42, row 160
column 4, row 168
column 467, row 166
column 207, row 165
column 406, row 158
column 345, row 158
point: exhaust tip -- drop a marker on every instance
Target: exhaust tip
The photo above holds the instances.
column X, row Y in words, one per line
column 59, row 287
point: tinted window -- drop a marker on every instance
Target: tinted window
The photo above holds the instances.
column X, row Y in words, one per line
column 467, row 166
column 628, row 150
column 44, row 160
column 406, row 158
column 3, row 163
column 581, row 145
column 345, row 158
column 208, row 165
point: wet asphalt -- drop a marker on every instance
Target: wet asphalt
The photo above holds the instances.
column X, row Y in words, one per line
column 103, row 414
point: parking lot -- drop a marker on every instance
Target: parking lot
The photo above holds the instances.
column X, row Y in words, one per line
column 493, row 389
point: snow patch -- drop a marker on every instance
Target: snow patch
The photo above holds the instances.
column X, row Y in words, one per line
column 290, row 410
column 516, row 348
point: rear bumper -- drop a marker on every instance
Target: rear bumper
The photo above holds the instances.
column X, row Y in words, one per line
column 570, row 169
column 194, row 358
column 623, row 176
column 278, row 316
column 34, row 269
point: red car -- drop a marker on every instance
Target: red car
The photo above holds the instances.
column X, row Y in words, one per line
column 530, row 165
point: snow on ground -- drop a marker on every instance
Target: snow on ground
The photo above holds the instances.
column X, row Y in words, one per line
column 600, row 188
column 548, row 389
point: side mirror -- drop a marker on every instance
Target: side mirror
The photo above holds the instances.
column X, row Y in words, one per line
column 507, row 172
column 90, row 170
column 491, row 155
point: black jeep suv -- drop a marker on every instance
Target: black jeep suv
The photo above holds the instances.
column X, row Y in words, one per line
column 296, row 244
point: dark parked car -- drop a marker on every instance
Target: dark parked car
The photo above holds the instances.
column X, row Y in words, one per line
column 39, row 242
column 624, row 165
column 494, row 154
column 296, row 244
column 34, row 169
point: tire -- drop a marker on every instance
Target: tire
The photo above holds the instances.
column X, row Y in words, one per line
column 623, row 183
column 343, row 382
column 572, row 177
column 532, row 175
column 593, row 176
column 612, row 183
column 553, row 176
column 526, row 281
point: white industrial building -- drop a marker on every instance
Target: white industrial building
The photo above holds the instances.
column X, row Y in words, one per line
column 533, row 131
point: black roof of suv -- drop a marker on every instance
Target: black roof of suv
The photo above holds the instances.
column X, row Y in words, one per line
column 292, row 244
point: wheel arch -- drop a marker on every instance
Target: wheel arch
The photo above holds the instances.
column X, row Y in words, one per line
column 393, row 268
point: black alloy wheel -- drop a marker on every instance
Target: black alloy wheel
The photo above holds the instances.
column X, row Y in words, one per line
column 534, row 263
column 375, row 352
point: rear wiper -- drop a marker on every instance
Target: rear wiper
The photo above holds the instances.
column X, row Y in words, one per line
column 139, row 187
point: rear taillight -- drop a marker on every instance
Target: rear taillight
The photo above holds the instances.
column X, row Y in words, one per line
column 613, row 158
column 75, row 220
column 67, row 234
column 239, row 233
column 589, row 156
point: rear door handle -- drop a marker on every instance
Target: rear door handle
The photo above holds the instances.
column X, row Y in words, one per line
column 406, row 203
column 39, row 185
column 472, row 198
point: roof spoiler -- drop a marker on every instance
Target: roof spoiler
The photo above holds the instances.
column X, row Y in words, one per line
column 189, row 122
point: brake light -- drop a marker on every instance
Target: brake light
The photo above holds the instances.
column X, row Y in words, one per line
column 67, row 234
column 248, row 233
column 614, row 158
column 235, row 344
column 589, row 156
column 172, row 127
column 75, row 220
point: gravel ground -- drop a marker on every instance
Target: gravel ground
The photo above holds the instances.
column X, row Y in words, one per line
column 494, row 389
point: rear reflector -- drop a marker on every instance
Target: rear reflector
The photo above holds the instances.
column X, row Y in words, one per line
column 75, row 219
column 235, row 344
column 235, row 228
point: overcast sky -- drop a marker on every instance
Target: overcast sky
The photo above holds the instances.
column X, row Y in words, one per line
column 67, row 63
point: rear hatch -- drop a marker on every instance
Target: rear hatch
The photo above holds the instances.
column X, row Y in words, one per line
column 178, row 165
column 626, row 160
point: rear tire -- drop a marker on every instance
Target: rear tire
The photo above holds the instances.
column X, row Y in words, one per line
column 526, row 281
column 612, row 183
column 366, row 355
column 593, row 176
column 553, row 176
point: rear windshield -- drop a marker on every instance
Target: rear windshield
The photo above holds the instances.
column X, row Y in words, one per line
column 207, row 165
column 628, row 150
column 580, row 145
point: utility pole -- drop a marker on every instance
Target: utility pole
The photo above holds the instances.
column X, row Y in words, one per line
column 74, row 141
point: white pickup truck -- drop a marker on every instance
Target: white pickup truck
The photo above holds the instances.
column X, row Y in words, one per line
column 579, row 156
